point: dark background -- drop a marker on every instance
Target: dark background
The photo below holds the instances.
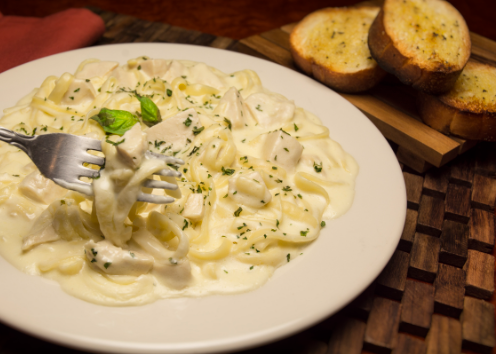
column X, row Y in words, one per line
column 233, row 18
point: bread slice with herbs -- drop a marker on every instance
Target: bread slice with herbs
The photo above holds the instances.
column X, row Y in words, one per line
column 469, row 109
column 425, row 43
column 331, row 45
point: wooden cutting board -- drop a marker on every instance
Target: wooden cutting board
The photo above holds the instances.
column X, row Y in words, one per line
column 390, row 106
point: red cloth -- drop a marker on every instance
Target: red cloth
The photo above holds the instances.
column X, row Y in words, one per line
column 23, row 39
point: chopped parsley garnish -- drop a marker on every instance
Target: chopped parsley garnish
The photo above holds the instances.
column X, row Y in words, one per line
column 158, row 144
column 115, row 143
column 304, row 233
column 197, row 131
column 288, row 257
column 238, row 211
column 317, row 167
column 107, row 264
column 195, row 149
column 287, row 189
column 296, row 127
column 187, row 122
column 227, row 171
column 322, row 224
column 229, row 124
column 169, row 92
column 185, row 223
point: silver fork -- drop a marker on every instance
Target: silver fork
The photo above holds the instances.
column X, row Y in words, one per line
column 60, row 157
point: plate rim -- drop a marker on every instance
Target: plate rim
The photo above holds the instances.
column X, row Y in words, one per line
column 235, row 343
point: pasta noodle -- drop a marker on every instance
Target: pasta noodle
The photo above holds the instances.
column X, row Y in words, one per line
column 259, row 177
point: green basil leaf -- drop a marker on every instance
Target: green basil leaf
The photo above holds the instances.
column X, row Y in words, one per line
column 115, row 121
column 149, row 111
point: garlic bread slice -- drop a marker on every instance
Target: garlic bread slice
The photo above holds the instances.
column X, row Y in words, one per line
column 469, row 109
column 425, row 43
column 331, row 45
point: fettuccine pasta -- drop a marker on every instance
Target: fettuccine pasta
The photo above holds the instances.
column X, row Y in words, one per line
column 259, row 181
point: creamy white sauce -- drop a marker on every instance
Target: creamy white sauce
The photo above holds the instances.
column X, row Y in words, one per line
column 263, row 198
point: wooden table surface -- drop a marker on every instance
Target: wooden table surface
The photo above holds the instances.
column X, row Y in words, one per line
column 234, row 19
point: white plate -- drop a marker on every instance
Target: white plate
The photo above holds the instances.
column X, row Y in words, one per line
column 346, row 258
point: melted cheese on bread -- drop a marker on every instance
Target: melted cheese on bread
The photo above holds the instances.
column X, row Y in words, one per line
column 475, row 89
column 431, row 31
column 339, row 39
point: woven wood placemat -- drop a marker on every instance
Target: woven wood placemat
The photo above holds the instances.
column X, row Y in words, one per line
column 432, row 297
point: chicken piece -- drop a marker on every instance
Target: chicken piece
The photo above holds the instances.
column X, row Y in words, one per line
column 79, row 92
column 154, row 67
column 282, row 149
column 194, row 208
column 249, row 189
column 232, row 107
column 202, row 74
column 176, row 69
column 96, row 69
column 40, row 189
column 114, row 260
column 134, row 146
column 270, row 111
column 125, row 78
column 173, row 273
column 175, row 131
column 41, row 234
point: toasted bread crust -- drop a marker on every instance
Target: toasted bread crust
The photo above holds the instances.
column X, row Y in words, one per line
column 450, row 120
column 433, row 80
column 350, row 82
column 469, row 109
column 344, row 82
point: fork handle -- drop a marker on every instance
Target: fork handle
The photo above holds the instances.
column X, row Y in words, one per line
column 18, row 140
